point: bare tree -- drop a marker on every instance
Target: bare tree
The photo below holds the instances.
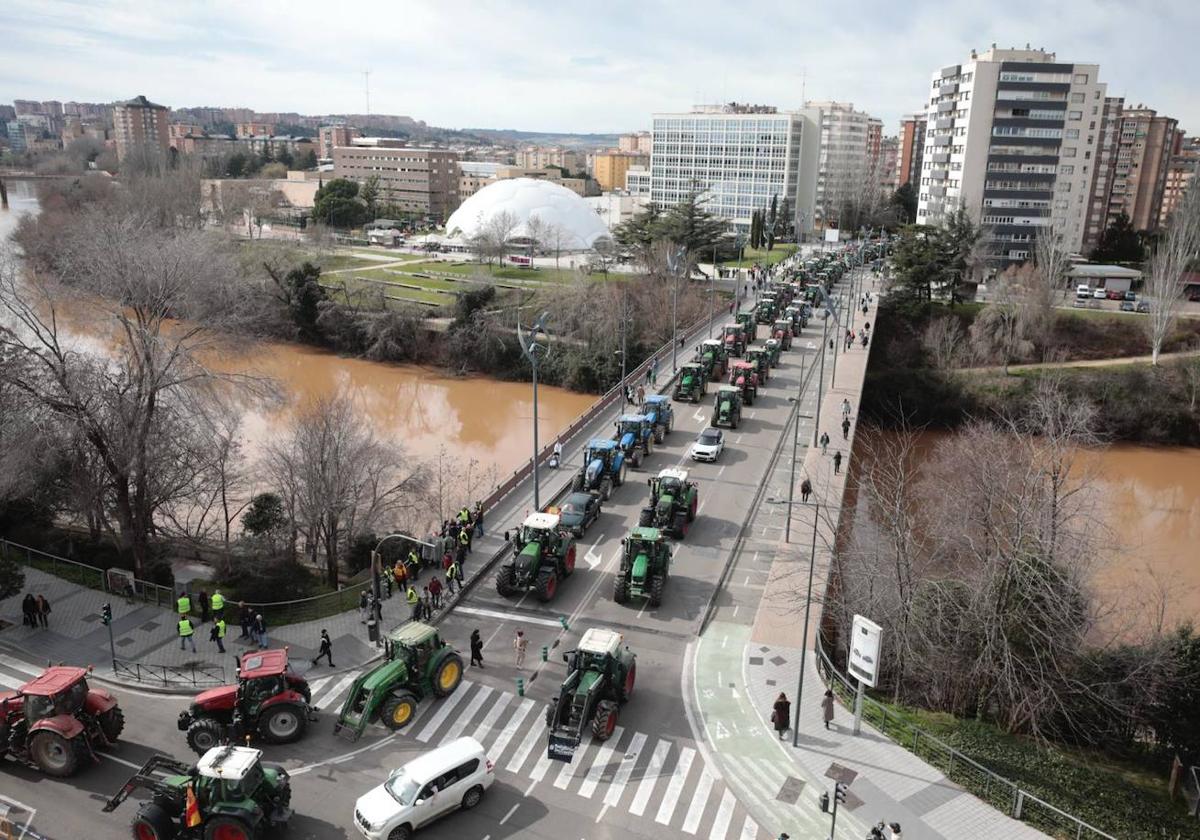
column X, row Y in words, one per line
column 1178, row 249
column 1000, row 330
column 944, row 339
column 491, row 240
column 1044, row 285
column 558, row 239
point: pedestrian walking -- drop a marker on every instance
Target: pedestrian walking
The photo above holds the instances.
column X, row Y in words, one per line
column 414, row 603
column 43, row 611
column 827, row 707
column 325, row 650
column 260, row 631
column 453, row 576
column 435, row 592
column 837, row 462
column 202, row 600
column 895, row 827
column 363, row 603
column 426, row 603
column 865, row 340
column 520, row 643
column 478, row 518
column 245, row 618
column 183, row 605
column 217, row 634
column 864, row 308
column 781, row 714
column 218, row 604
column 845, row 407
column 846, row 428
column 824, row 443
column 29, row 611
column 476, row 649
column 641, row 395
column 185, row 634
column 400, row 573
column 805, row 490
column 387, row 586
column 831, row 344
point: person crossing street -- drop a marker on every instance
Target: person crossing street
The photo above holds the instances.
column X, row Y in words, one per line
column 476, row 648
column 453, row 576
column 520, row 643
column 326, row 650
column 435, row 592
column 185, row 633
column 217, row 634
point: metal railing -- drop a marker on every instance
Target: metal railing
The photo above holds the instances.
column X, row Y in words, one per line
column 116, row 582
column 195, row 674
column 1191, row 790
column 1001, row 793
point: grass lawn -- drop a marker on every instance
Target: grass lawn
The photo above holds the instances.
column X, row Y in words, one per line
column 339, row 262
column 541, row 275
column 367, row 293
column 750, row 256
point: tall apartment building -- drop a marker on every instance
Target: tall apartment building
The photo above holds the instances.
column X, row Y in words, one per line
column 609, row 168
column 140, row 123
column 1097, row 219
column 1183, row 167
column 536, row 157
column 637, row 180
column 1012, row 138
column 253, row 128
column 418, row 180
column 849, row 152
column 739, row 157
column 639, row 142
column 912, row 149
column 887, row 166
column 330, row 137
column 1144, row 146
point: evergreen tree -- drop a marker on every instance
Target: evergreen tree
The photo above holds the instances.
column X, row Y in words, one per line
column 904, row 204
column 772, row 218
column 337, row 204
column 1118, row 243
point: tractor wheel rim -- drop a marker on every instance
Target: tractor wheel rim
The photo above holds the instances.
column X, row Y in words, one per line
column 55, row 754
column 551, row 584
column 229, row 832
column 284, row 724
column 449, row 675
column 570, row 560
column 143, row 831
column 402, row 713
column 204, row 739
column 610, row 725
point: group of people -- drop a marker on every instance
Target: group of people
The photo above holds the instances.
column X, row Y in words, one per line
column 520, row 644
column 35, row 611
column 212, row 609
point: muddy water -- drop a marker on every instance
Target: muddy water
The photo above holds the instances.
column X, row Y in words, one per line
column 427, row 413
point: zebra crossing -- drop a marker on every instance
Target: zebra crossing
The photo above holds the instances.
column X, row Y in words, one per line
column 14, row 673
column 662, row 780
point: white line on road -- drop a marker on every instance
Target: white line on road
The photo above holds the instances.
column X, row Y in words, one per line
column 337, row 759
column 720, row 471
column 464, row 720
column 444, row 712
column 511, row 729
column 522, row 753
column 724, row 815
column 489, row 719
column 749, row 828
column 539, row 770
column 600, row 763
column 111, row 757
column 699, row 800
column 336, row 691
column 666, row 808
column 18, row 665
column 511, row 811
column 650, row 778
column 525, row 619
column 613, row 796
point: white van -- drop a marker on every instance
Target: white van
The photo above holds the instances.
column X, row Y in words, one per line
column 1083, row 292
column 440, row 781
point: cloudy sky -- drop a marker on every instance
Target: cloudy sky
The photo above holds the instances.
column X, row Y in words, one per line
column 567, row 66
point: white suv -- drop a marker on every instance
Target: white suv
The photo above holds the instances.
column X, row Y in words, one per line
column 440, row 781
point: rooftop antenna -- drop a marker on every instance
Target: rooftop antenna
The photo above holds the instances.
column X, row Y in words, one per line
column 803, row 87
column 367, row 85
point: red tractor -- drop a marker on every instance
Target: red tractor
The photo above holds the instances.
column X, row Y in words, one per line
column 269, row 700
column 55, row 720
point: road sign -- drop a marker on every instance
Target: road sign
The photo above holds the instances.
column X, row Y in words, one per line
column 865, row 638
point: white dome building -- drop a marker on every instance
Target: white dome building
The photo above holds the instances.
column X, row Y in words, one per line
column 525, row 199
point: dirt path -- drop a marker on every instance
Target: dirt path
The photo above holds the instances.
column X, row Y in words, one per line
column 1083, row 363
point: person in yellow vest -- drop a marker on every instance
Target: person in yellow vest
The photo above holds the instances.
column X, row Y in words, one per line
column 453, row 576
column 217, row 634
column 185, row 634
column 184, row 604
column 218, row 605
column 414, row 600
column 464, row 539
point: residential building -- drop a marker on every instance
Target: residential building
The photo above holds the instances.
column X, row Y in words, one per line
column 473, row 176
column 418, row 180
column 273, row 147
column 26, row 107
column 16, row 136
column 176, row 130
column 331, row 136
column 1181, row 170
column 637, row 180
column 1012, row 139
column 638, row 142
column 7, row 112
column 1097, row 219
column 535, row 157
column 912, row 148
column 140, row 123
column 739, row 157
column 886, row 167
column 850, row 142
column 253, row 129
column 580, row 186
column 1144, row 146
column 609, row 168
column 89, row 111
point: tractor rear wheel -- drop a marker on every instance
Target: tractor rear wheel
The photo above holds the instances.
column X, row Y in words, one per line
column 223, row 827
column 635, row 457
column 606, row 487
column 679, row 524
column 568, row 564
column 506, row 581
column 605, row 721
column 53, row 754
column 283, row 723
column 624, row 472
column 659, row 434
column 620, row 590
column 112, row 723
column 650, row 445
column 577, row 483
column 152, row 823
column 204, row 734
column 691, row 511
column 448, row 675
column 646, row 517
column 547, row 585
column 656, row 590
column 398, row 710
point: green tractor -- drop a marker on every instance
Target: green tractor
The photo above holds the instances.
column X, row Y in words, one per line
column 691, row 384
column 544, row 554
column 728, row 410
column 228, row 795
column 712, row 357
column 645, row 566
column 600, row 678
column 416, row 663
column 760, row 357
column 764, row 313
column 774, row 349
column 673, row 503
column 749, row 328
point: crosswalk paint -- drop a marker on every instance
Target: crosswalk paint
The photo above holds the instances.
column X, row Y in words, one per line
column 650, row 778
column 490, row 718
column 749, row 828
column 23, row 667
column 9, row 681
column 335, row 692
column 577, row 767
column 617, row 787
column 699, row 800
column 539, row 769
column 510, row 729
column 666, row 808
column 315, row 687
column 720, row 826
column 468, row 714
column 522, row 753
column 600, row 763
column 444, row 711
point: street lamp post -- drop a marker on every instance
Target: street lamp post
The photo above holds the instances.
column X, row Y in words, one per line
column 821, row 375
column 533, row 350
column 787, row 536
column 673, row 262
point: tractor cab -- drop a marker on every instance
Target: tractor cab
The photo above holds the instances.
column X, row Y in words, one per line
column 734, row 338
column 746, row 319
column 761, row 359
column 764, row 313
column 728, row 410
column 782, row 332
column 744, row 375
column 539, row 528
column 691, row 382
column 660, row 414
column 414, row 644
column 670, row 482
column 635, row 436
column 773, row 347
column 233, row 773
column 59, row 691
column 261, row 676
column 712, row 355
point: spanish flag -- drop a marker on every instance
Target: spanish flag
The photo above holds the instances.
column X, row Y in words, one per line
column 191, row 811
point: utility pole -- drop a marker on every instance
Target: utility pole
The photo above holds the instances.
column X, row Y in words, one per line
column 367, row 87
column 535, row 351
column 673, row 263
column 812, row 561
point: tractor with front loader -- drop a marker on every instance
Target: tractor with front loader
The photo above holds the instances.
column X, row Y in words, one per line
column 691, row 384
column 269, row 700
column 544, row 554
column 733, row 336
column 600, row 676
column 674, row 500
column 658, row 408
column 635, row 436
column 744, row 376
column 764, row 312
column 603, row 468
column 749, row 326
column 55, row 721
column 229, row 794
column 645, row 567
column 417, row 663
column 728, row 410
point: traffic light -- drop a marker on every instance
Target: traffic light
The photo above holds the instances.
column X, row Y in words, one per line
column 839, row 791
column 106, row 614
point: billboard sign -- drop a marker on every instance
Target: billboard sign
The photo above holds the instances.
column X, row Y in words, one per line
column 865, row 645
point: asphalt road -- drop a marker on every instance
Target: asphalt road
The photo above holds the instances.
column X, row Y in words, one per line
column 655, row 778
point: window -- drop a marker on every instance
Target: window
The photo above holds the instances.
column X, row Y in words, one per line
column 1076, row 115
column 1081, row 79
column 1077, row 97
column 1072, row 133
column 1069, row 152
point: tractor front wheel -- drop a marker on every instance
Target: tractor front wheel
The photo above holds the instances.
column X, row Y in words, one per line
column 620, row 590
column 659, row 434
column 448, row 676
column 606, row 487
column 398, row 711
column 547, row 585
column 605, row 721
column 650, row 445
column 646, row 517
column 630, row 679
column 53, row 754
column 283, row 724
column 577, row 483
column 112, row 723
column 506, row 581
column 227, row 828
column 656, row 591
column 568, row 564
column 152, row 823
column 204, row 734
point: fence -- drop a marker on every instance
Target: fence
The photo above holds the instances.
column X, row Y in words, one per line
column 999, row 792
column 117, row 582
column 197, row 675
column 1191, row 790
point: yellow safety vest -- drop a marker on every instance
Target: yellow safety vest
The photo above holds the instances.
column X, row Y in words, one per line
column 453, row 572
column 185, row 627
column 218, row 602
column 463, row 537
column 221, row 628
column 463, row 516
column 185, row 605
column 412, row 596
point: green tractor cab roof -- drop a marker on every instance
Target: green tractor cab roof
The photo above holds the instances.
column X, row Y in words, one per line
column 658, row 399
column 645, row 533
column 230, row 764
column 728, row 389
column 414, row 632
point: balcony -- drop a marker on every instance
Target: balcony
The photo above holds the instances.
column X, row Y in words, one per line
column 945, row 122
column 940, row 157
column 943, row 107
column 952, row 87
column 938, row 174
column 937, row 191
column 941, row 141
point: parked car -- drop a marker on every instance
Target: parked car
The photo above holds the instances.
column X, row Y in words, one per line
column 1127, row 306
column 579, row 511
column 709, row 446
column 440, row 781
column 1113, row 294
column 1083, row 292
column 1131, row 296
column 1143, row 306
column 1099, row 294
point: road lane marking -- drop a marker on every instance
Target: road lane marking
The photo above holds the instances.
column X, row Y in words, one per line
column 600, row 763
column 464, row 719
column 522, row 618
column 18, row 665
column 444, row 712
column 539, row 770
column 749, row 828
column 112, row 757
column 510, row 729
column 617, row 787
column 720, row 825
column 699, row 800
column 339, row 759
column 666, row 808
column 522, row 753
column 511, row 811
column 574, row 768
column 650, row 778
column 12, row 682
column 335, row 692
column 489, row 719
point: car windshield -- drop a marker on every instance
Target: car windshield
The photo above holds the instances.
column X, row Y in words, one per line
column 710, row 436
column 570, row 506
column 402, row 788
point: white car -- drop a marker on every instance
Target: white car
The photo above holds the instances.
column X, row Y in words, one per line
column 1099, row 294
column 440, row 781
column 709, row 445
